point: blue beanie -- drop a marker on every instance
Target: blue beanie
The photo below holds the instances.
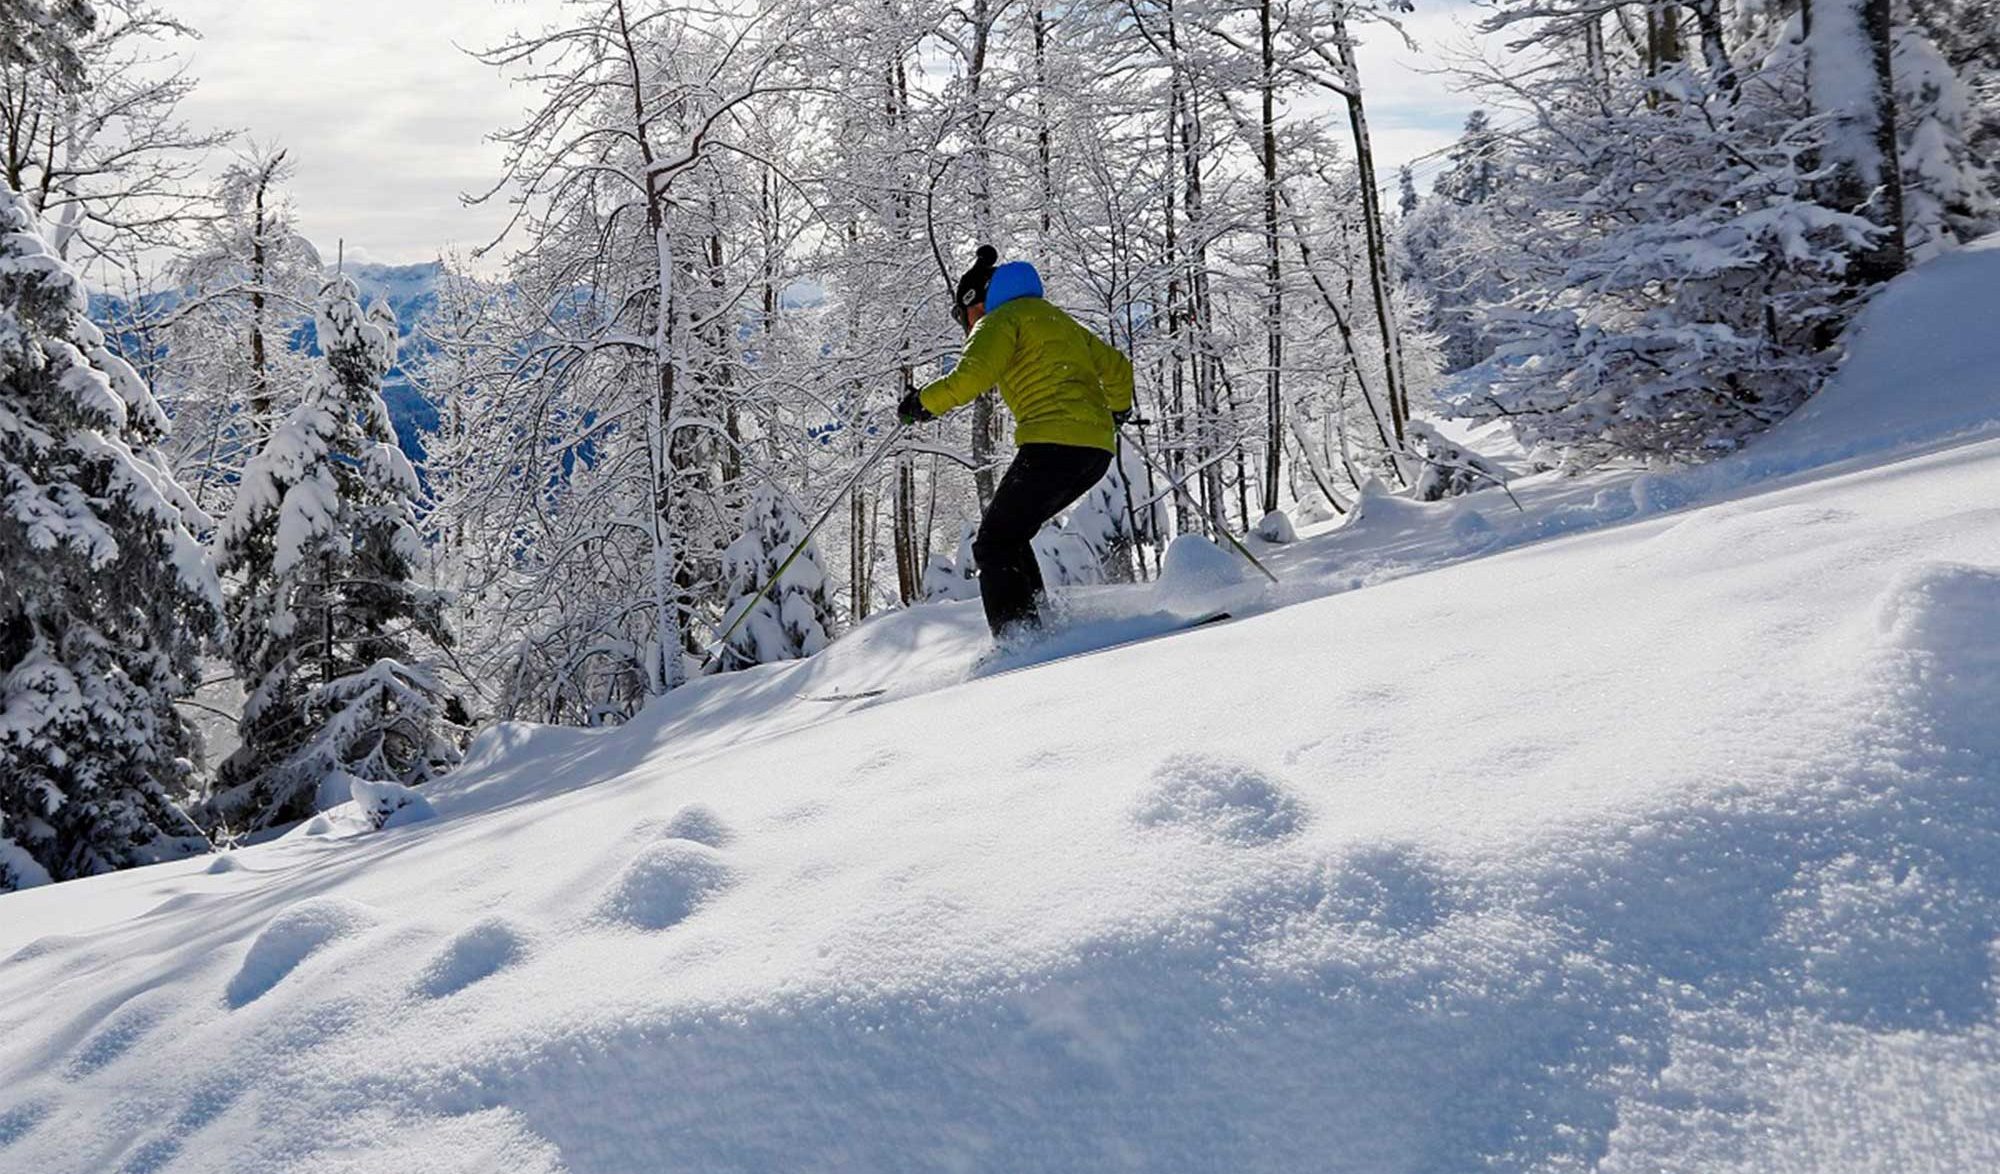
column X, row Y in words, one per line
column 1015, row 279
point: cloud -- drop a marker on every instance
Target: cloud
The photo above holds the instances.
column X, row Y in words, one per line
column 388, row 118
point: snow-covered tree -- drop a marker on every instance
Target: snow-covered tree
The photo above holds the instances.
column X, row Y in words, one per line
column 1967, row 34
column 1848, row 54
column 1948, row 189
column 623, row 399
column 953, row 576
column 1675, row 270
column 106, row 596
column 328, row 626
column 244, row 289
column 91, row 133
column 42, row 36
column 1474, row 174
column 794, row 617
column 1118, row 520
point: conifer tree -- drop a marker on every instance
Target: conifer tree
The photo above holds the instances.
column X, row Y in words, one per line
column 1116, row 519
column 106, row 597
column 795, row 617
column 327, row 622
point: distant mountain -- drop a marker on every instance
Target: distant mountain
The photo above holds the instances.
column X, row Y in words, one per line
column 410, row 290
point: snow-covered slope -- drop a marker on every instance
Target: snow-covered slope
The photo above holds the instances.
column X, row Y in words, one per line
column 1653, row 825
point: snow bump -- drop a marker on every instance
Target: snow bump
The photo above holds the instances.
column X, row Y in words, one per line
column 477, row 952
column 16, row 1122
column 1194, row 566
column 290, row 938
column 700, row 823
column 664, row 884
column 126, row 1027
column 1221, row 800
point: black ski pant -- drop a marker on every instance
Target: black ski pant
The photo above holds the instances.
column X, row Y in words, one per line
column 1041, row 482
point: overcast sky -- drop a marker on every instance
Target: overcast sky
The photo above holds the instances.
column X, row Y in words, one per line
column 387, row 118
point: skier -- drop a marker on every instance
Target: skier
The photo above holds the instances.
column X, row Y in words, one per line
column 1069, row 391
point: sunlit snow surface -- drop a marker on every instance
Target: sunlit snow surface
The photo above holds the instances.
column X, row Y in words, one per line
column 1653, row 827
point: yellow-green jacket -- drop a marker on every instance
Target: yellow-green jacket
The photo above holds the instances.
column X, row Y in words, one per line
column 1061, row 381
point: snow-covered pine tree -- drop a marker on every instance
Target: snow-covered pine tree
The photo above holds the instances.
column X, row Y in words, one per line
column 106, row 596
column 1673, row 274
column 955, row 576
column 1948, row 190
column 1115, row 518
column 43, row 34
column 1847, row 58
column 327, row 620
column 1447, row 245
column 1967, row 33
column 795, row 617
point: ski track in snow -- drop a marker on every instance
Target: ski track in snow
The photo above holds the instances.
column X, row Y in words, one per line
column 1667, row 840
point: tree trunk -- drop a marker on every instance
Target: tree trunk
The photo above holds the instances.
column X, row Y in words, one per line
column 1207, row 431
column 1044, row 139
column 985, row 419
column 1274, row 294
column 1714, row 50
column 260, row 378
column 857, row 551
column 1868, row 179
column 1174, row 430
column 1378, row 250
column 664, row 670
column 1593, row 50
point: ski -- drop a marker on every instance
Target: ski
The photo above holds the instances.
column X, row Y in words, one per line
column 1002, row 661
column 831, row 698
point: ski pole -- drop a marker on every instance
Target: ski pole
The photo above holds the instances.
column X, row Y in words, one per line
column 1131, row 514
column 1182, row 490
column 874, row 459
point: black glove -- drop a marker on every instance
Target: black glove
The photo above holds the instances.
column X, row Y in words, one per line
column 1118, row 418
column 913, row 411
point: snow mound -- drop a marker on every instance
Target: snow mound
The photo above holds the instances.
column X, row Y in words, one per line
column 1194, row 566
column 490, row 1141
column 1387, row 516
column 1945, row 619
column 700, row 823
column 1919, row 368
column 124, row 1028
column 477, row 952
column 290, row 938
column 1472, row 532
column 45, row 945
column 1276, row 528
column 16, row 1122
column 223, row 862
column 383, row 804
column 664, row 884
column 1216, row 799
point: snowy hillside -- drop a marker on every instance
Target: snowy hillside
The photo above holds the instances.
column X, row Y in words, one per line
column 1648, row 825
